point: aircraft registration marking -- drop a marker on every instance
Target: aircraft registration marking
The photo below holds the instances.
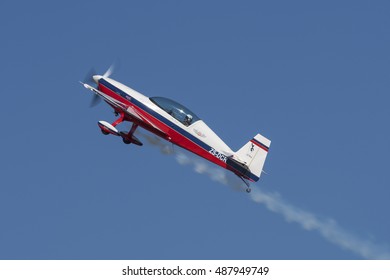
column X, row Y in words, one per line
column 218, row 155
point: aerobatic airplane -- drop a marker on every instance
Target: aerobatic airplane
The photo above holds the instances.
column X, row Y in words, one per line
column 175, row 123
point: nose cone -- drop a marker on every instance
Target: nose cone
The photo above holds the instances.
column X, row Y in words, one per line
column 96, row 78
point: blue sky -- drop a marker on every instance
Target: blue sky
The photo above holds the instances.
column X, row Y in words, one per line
column 312, row 77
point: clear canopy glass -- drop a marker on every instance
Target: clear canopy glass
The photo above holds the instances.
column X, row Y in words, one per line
column 176, row 110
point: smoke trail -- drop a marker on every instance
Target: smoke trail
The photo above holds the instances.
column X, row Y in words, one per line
column 328, row 228
column 164, row 147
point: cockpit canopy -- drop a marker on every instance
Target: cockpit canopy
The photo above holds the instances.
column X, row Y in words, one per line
column 176, row 110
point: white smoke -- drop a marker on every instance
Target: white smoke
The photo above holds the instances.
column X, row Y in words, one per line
column 328, row 228
column 164, row 147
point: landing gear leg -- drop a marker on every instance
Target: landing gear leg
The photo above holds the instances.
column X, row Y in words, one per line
column 119, row 120
column 132, row 130
column 129, row 137
column 126, row 138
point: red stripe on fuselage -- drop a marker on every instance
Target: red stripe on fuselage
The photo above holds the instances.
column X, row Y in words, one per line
column 113, row 94
column 171, row 134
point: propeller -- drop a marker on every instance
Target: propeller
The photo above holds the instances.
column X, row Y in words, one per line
column 88, row 79
column 95, row 100
column 109, row 71
column 114, row 66
column 92, row 78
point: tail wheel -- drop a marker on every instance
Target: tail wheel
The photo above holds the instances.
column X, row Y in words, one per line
column 248, row 190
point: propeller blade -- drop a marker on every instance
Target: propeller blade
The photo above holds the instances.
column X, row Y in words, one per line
column 114, row 66
column 95, row 100
column 88, row 79
column 109, row 71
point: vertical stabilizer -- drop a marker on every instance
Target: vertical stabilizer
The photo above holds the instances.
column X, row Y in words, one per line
column 253, row 155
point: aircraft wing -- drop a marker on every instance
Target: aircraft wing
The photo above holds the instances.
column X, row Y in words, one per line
column 106, row 97
column 136, row 113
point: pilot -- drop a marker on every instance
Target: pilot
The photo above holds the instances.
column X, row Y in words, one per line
column 187, row 120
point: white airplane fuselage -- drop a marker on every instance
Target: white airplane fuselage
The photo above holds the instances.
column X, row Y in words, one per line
column 155, row 115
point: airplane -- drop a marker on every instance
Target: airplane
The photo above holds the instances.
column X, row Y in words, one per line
column 177, row 124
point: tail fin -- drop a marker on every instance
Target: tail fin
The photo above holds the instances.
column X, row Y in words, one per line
column 253, row 154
